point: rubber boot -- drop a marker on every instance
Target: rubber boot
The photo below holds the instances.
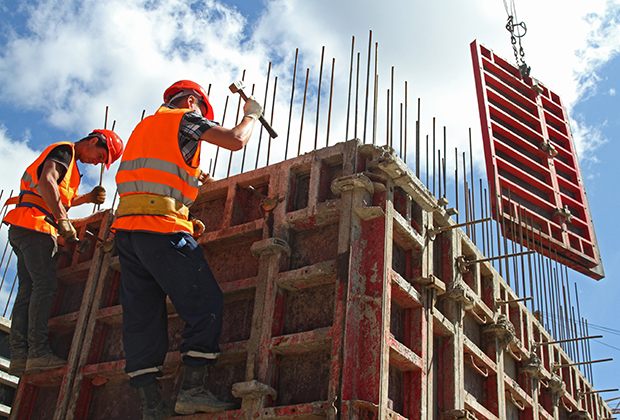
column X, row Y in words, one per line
column 153, row 406
column 194, row 396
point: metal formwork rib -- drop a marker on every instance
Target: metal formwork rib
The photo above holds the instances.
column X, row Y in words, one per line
column 530, row 152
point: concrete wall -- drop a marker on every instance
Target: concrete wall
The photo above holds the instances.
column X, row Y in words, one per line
column 339, row 304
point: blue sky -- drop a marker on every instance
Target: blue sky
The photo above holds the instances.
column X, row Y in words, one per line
column 64, row 61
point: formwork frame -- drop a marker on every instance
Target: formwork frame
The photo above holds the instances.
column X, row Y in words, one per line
column 339, row 304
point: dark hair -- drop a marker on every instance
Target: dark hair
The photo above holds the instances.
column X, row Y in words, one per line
column 100, row 142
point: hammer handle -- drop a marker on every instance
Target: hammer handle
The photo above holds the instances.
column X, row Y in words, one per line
column 263, row 121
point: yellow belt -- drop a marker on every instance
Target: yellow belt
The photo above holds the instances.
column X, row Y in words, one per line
column 151, row 205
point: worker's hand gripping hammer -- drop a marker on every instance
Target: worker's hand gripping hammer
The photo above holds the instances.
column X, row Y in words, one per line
column 237, row 87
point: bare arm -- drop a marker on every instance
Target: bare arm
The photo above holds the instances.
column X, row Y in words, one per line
column 81, row 199
column 231, row 139
column 48, row 185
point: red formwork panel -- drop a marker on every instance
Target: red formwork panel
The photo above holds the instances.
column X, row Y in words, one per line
column 532, row 166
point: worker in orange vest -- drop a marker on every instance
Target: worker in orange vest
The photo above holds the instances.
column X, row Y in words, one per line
column 157, row 182
column 49, row 187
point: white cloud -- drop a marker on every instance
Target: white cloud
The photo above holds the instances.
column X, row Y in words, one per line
column 123, row 54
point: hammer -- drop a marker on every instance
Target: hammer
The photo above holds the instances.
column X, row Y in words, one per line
column 237, row 87
column 84, row 244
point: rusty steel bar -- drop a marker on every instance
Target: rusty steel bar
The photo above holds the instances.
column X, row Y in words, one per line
column 417, row 145
column 8, row 301
column 434, row 170
column 567, row 314
column 350, row 86
column 572, row 314
column 367, row 85
column 387, row 123
column 485, row 250
column 400, row 151
column 391, row 105
column 273, row 106
column 329, row 112
column 512, row 241
column 357, row 91
column 467, row 262
column 471, row 176
column 465, row 195
column 245, row 148
column 439, row 170
column 575, row 334
column 260, row 136
column 589, row 352
column 303, row 112
column 521, row 249
column 318, row 101
column 583, row 355
column 290, row 113
column 217, row 151
column 546, row 343
column 456, row 186
column 236, row 122
column 556, row 366
column 426, row 169
column 501, row 208
column 446, row 228
column 445, row 156
column 529, row 263
column 376, row 97
column 406, row 93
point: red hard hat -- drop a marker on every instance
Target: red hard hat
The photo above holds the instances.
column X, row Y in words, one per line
column 191, row 88
column 113, row 142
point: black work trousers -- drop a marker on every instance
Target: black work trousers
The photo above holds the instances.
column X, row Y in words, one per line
column 36, row 270
column 153, row 266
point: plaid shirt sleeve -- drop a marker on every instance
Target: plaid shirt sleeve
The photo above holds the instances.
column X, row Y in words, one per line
column 192, row 126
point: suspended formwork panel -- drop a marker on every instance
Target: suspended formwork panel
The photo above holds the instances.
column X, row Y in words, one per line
column 532, row 165
column 340, row 303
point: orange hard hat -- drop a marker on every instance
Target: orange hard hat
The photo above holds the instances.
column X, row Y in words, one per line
column 189, row 87
column 113, row 143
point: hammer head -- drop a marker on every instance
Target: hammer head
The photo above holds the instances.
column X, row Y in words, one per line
column 236, row 86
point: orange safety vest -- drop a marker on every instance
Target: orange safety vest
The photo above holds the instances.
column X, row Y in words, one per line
column 30, row 210
column 153, row 164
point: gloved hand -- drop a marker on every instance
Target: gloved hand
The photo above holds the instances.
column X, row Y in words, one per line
column 205, row 177
column 97, row 195
column 66, row 230
column 252, row 108
column 199, row 228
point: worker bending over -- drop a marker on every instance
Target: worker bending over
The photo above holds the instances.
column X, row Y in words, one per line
column 155, row 240
column 49, row 187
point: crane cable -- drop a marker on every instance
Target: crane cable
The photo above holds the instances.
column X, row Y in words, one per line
column 517, row 31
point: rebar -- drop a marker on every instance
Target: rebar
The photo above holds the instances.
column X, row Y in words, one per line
column 367, row 85
column 273, row 106
column 290, row 114
column 303, row 111
column 318, row 100
column 260, row 136
column 331, row 91
column 350, row 86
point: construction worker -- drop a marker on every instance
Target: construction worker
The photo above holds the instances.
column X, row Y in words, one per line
column 155, row 240
column 49, row 187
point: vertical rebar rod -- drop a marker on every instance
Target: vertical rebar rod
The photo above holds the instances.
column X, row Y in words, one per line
column 318, row 101
column 520, row 221
column 417, row 144
column 329, row 111
column 400, row 150
column 445, row 155
column 8, row 301
column 575, row 334
column 273, row 106
column 466, row 198
column 217, row 151
column 406, row 93
column 245, row 148
column 391, row 105
column 483, row 227
column 473, row 191
column 579, row 321
column 439, row 170
column 543, row 278
column 490, row 239
column 434, row 169
column 350, row 86
column 533, row 291
column 387, row 122
column 376, row 97
column 426, row 169
column 357, row 94
column 303, row 111
column 456, row 185
column 589, row 352
column 290, row 112
column 506, row 262
column 236, row 122
column 260, row 135
column 367, row 85
column 513, row 240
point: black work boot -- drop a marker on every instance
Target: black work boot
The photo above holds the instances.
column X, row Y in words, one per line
column 153, row 406
column 194, row 396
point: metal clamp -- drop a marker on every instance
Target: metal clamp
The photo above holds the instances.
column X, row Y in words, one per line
column 549, row 148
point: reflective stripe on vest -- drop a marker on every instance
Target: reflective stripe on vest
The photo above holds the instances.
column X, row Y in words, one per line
column 32, row 210
column 153, row 164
